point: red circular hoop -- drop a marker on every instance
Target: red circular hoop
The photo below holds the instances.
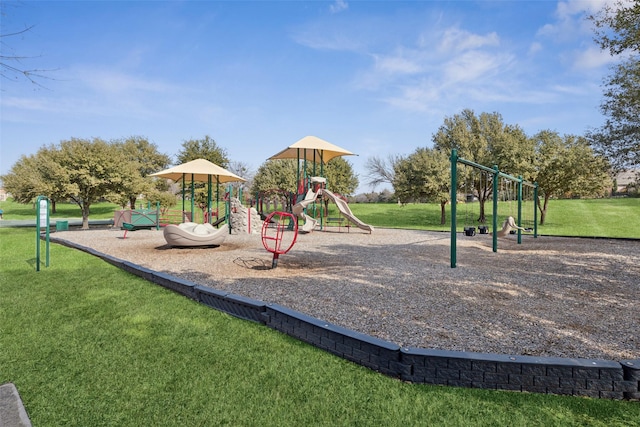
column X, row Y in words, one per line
column 273, row 230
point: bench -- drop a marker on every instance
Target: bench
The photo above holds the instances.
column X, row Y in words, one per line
column 338, row 220
column 135, row 227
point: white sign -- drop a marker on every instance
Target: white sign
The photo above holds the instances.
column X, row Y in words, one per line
column 44, row 212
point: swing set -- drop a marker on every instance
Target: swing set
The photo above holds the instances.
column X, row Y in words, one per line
column 512, row 190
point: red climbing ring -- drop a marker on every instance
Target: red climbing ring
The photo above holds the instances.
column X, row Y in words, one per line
column 273, row 234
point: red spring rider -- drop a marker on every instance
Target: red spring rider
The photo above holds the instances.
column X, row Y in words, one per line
column 273, row 234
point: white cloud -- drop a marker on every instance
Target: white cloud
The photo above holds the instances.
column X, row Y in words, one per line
column 399, row 63
column 570, row 32
column 570, row 22
column 455, row 39
column 567, row 9
column 535, row 47
column 113, row 81
column 339, row 6
column 29, row 104
column 592, row 57
column 463, row 66
column 474, row 66
column 324, row 40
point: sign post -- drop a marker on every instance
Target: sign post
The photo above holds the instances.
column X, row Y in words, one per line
column 42, row 221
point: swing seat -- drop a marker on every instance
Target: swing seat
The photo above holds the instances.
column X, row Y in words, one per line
column 470, row 231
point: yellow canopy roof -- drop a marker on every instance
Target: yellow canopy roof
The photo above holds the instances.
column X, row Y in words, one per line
column 313, row 149
column 201, row 169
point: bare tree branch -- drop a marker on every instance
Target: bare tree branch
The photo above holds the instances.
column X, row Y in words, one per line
column 11, row 66
column 381, row 171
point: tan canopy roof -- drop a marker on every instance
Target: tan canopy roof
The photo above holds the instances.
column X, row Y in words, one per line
column 201, row 170
column 313, row 149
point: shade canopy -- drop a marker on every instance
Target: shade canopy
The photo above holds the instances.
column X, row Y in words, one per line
column 312, row 149
column 198, row 170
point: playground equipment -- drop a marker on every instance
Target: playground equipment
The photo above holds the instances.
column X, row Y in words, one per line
column 273, row 232
column 199, row 170
column 344, row 209
column 137, row 219
column 508, row 226
column 300, row 207
column 494, row 175
column 312, row 195
column 274, row 200
column 311, row 183
column 142, row 218
column 190, row 234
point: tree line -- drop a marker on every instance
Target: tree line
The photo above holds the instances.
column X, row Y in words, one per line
column 86, row 171
column 563, row 166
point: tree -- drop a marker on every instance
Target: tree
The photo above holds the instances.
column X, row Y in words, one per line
column 242, row 170
column 205, row 148
column 38, row 175
column 380, row 170
column 95, row 168
column 276, row 176
column 146, row 160
column 619, row 138
column 567, row 166
column 424, row 175
column 485, row 140
column 23, row 180
column 340, row 176
column 617, row 29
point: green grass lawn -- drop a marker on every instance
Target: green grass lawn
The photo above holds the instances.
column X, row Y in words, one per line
column 16, row 211
column 88, row 344
column 587, row 218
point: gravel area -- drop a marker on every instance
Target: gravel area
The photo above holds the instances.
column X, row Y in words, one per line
column 550, row 296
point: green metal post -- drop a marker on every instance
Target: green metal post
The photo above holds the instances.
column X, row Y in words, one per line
column 454, row 202
column 535, row 210
column 496, row 177
column 193, row 196
column 227, row 209
column 157, row 215
column 297, row 176
column 304, row 170
column 38, row 235
column 218, row 200
column 184, row 189
column 209, row 193
column 519, row 208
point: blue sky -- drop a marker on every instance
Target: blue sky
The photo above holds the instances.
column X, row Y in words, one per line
column 375, row 78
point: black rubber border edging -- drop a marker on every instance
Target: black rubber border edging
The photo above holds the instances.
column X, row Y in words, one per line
column 549, row 375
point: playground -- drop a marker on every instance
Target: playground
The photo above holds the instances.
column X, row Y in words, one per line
column 550, row 296
column 546, row 297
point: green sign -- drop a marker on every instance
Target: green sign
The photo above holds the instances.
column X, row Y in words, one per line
column 42, row 221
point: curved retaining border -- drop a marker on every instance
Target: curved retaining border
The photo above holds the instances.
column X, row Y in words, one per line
column 553, row 375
